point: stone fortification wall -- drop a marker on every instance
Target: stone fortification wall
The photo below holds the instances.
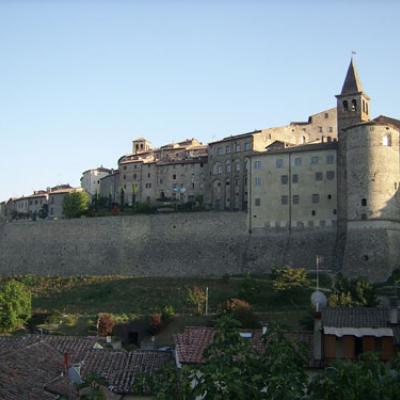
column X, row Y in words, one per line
column 184, row 244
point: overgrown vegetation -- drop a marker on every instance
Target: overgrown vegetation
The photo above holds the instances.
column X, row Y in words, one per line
column 76, row 204
column 15, row 305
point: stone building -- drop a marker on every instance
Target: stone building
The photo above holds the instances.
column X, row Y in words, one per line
column 293, row 187
column 229, row 157
column 109, row 188
column 90, row 180
column 175, row 171
column 351, row 185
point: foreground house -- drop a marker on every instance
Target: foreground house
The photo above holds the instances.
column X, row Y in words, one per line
column 45, row 367
column 348, row 332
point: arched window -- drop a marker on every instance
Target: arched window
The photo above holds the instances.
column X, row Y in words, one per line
column 345, row 105
column 387, row 140
column 354, row 105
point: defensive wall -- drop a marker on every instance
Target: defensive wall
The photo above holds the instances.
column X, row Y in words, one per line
column 183, row 244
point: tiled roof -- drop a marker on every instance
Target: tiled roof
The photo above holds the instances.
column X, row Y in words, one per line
column 33, row 364
column 27, row 371
column 357, row 317
column 383, row 119
column 191, row 344
column 119, row 368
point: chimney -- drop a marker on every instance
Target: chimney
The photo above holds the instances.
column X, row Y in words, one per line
column 66, row 361
column 317, row 337
column 394, row 311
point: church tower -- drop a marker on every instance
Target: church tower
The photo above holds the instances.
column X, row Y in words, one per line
column 352, row 109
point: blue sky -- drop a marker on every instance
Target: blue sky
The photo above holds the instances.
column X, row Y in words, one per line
column 79, row 80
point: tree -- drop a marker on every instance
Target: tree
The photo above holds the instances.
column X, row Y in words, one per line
column 15, row 305
column 288, row 279
column 368, row 379
column 105, row 325
column 76, row 204
column 198, row 297
column 241, row 311
column 353, row 292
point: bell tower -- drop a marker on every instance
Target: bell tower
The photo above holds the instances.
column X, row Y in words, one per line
column 352, row 109
column 352, row 102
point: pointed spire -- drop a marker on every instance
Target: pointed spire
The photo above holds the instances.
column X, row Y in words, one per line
column 352, row 83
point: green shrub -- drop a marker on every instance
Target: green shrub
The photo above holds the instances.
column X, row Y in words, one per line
column 168, row 313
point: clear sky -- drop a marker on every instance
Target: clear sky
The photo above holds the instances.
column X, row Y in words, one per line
column 79, row 80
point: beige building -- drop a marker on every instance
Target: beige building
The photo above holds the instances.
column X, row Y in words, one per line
column 293, row 187
column 229, row 157
column 27, row 206
column 172, row 172
column 90, row 180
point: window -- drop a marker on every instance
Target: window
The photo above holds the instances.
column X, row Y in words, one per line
column 161, row 181
column 279, row 163
column 334, row 211
column 295, row 178
column 314, row 160
column 247, row 146
column 148, row 175
column 330, row 175
column 329, row 196
column 297, row 161
column 257, row 202
column 237, row 166
column 364, row 202
column 330, row 129
column 320, row 129
column 326, row 115
column 319, row 176
column 124, row 176
column 219, row 151
column 134, row 176
column 228, row 149
column 174, row 176
column 354, row 105
column 387, row 140
column 51, row 211
column 237, row 147
column 330, row 159
column 284, row 179
column 313, row 212
column 296, row 199
column 315, row 198
column 124, row 168
column 345, row 105
column 219, row 169
column 258, row 181
column 228, row 167
column 284, row 200
column 257, row 164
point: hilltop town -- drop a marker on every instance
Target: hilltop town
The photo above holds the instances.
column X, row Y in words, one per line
column 322, row 177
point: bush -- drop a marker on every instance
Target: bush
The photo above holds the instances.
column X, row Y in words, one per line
column 105, row 325
column 168, row 313
column 288, row 279
column 241, row 311
column 197, row 297
column 249, row 289
column 353, row 292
